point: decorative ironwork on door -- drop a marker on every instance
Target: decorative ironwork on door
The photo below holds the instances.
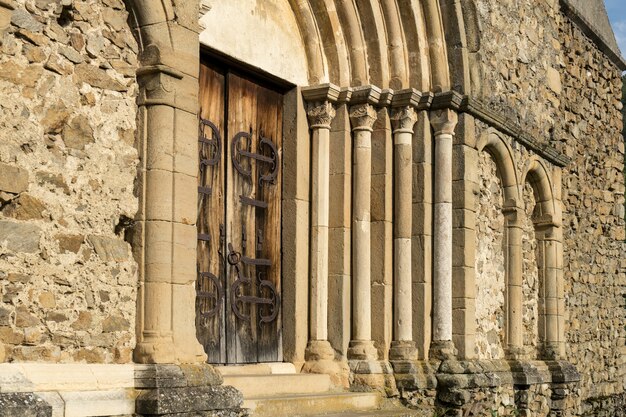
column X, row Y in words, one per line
column 238, row 286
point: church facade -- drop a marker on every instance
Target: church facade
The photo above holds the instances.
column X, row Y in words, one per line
column 299, row 207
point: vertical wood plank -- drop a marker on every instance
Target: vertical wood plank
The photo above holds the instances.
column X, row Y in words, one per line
column 268, row 220
column 210, row 303
column 242, row 327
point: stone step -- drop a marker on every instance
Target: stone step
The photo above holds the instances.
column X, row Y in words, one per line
column 254, row 386
column 270, row 368
column 311, row 405
column 376, row 413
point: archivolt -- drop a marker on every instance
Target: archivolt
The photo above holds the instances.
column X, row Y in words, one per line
column 389, row 43
column 501, row 152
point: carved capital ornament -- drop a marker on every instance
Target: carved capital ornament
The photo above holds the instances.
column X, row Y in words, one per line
column 320, row 114
column 363, row 117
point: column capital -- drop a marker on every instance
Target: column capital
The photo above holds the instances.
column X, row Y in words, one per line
column 444, row 121
column 363, row 114
column 403, row 119
column 320, row 114
column 363, row 117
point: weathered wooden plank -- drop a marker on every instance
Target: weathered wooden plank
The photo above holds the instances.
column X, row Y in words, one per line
column 210, row 305
column 269, row 127
column 242, row 320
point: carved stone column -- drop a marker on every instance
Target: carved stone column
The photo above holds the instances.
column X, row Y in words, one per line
column 443, row 122
column 362, row 117
column 403, row 119
column 514, row 302
column 320, row 111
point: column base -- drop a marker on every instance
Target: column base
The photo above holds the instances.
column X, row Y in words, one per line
column 164, row 350
column 362, row 350
column 402, row 350
column 517, row 353
column 319, row 350
column 442, row 350
column 373, row 374
column 320, row 359
column 184, row 389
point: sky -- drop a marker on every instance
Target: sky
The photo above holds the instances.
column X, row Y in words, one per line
column 617, row 15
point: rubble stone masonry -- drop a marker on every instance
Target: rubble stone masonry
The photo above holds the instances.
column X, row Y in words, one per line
column 542, row 70
column 67, row 116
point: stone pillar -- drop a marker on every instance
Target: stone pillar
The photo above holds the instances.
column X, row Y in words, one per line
column 443, row 122
column 165, row 238
column 404, row 117
column 362, row 118
column 320, row 111
column 514, row 296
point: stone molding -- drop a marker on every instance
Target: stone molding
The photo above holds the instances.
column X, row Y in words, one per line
column 499, row 121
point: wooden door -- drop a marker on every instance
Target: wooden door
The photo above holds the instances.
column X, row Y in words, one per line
column 238, row 305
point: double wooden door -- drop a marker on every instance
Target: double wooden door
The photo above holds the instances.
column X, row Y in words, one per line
column 238, row 300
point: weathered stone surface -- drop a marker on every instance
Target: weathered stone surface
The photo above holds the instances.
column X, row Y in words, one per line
column 20, row 237
column 115, row 324
column 162, row 401
column 23, row 318
column 78, row 133
column 94, row 76
column 13, row 179
column 55, row 118
column 70, row 243
column 23, row 405
column 25, row 207
column 108, row 248
column 23, row 19
column 84, row 321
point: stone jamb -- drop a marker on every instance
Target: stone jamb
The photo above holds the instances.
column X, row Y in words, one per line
column 295, row 228
column 464, row 203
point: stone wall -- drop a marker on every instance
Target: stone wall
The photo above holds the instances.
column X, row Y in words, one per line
column 68, row 163
column 541, row 70
column 593, row 196
column 490, row 270
column 520, row 60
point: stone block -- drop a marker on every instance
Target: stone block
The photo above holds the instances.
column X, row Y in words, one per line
column 98, row 403
column 110, row 249
column 23, row 405
column 20, row 237
column 163, row 401
column 554, row 80
column 13, row 179
column 25, row 207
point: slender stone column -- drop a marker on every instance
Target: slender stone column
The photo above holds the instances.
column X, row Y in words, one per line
column 362, row 117
column 320, row 112
column 403, row 119
column 514, row 333
column 443, row 122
